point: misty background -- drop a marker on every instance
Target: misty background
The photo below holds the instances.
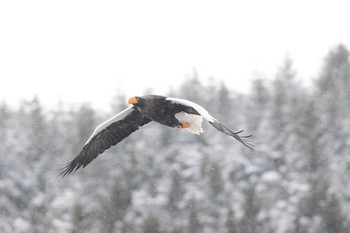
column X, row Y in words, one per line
column 277, row 69
column 85, row 51
column 161, row 179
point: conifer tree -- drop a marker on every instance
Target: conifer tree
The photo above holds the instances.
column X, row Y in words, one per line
column 224, row 105
column 310, row 140
column 4, row 138
column 231, row 221
column 336, row 72
column 84, row 120
column 38, row 134
column 193, row 225
column 258, row 105
column 78, row 218
column 285, row 91
column 249, row 223
column 216, row 183
column 115, row 207
column 333, row 219
column 176, row 192
column 332, row 93
column 151, row 225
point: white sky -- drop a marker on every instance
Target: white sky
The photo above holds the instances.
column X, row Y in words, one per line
column 85, row 51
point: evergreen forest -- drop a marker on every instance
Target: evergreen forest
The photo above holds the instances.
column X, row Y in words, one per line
column 165, row 180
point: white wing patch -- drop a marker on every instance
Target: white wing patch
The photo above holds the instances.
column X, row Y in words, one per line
column 204, row 113
column 195, row 121
column 108, row 122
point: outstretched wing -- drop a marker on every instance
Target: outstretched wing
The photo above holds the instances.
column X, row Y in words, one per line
column 204, row 113
column 107, row 134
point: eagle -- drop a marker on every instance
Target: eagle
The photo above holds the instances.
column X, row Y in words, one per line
column 172, row 112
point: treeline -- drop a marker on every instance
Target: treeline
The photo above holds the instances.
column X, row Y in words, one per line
column 166, row 180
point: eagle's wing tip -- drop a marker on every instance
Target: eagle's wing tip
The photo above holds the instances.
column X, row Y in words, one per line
column 67, row 169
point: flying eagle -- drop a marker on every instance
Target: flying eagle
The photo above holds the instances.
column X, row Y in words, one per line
column 172, row 112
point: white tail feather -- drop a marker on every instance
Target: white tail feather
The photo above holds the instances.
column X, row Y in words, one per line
column 195, row 121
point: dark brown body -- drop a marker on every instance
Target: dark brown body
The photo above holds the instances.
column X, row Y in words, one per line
column 167, row 109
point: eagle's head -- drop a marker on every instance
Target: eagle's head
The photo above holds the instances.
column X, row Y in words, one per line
column 136, row 100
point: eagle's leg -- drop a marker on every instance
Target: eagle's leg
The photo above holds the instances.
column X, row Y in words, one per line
column 184, row 125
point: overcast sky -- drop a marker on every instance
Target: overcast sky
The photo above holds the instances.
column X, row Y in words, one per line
column 85, row 51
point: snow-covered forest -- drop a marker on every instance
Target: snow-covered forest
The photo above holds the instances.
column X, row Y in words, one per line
column 162, row 179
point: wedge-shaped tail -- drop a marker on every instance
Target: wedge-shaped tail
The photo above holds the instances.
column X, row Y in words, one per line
column 242, row 139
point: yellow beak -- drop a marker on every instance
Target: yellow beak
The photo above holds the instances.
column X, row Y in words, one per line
column 132, row 100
